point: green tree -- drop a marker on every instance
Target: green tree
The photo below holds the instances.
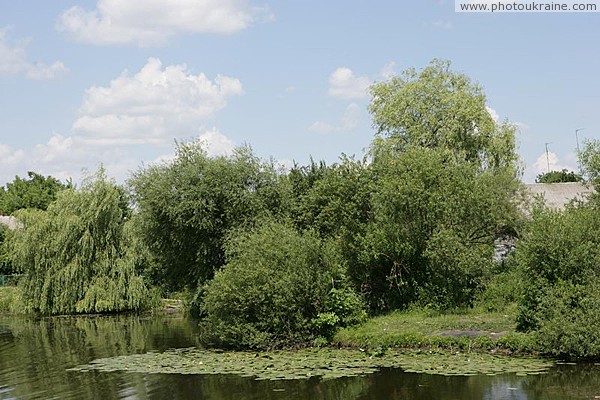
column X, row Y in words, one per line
column 434, row 223
column 436, row 107
column 278, row 287
column 187, row 206
column 590, row 160
column 36, row 191
column 562, row 176
column 79, row 256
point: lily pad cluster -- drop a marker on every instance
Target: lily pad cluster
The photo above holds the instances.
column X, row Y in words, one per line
column 304, row 364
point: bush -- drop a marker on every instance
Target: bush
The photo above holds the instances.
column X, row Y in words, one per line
column 569, row 324
column 559, row 255
column 278, row 288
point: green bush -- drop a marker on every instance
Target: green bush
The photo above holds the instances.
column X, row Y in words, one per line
column 278, row 288
column 570, row 320
column 560, row 255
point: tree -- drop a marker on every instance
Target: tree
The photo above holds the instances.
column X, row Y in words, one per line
column 590, row 160
column 35, row 192
column 434, row 223
column 559, row 177
column 436, row 107
column 187, row 206
column 79, row 256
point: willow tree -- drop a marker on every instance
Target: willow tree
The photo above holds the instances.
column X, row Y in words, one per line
column 439, row 108
column 79, row 256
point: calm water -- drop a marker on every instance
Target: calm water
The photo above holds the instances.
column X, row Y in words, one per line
column 35, row 354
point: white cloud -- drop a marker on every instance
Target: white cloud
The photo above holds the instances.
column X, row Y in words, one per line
column 552, row 161
column 493, row 114
column 13, row 61
column 153, row 106
column 153, row 22
column 348, row 121
column 216, row 144
column 64, row 158
column 344, row 84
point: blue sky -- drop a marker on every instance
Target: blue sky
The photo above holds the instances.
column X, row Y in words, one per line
column 117, row 82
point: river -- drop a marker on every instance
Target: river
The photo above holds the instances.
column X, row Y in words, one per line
column 35, row 355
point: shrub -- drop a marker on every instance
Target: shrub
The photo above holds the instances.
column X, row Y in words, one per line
column 560, row 255
column 279, row 287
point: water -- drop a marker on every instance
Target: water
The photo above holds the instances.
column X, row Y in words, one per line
column 36, row 353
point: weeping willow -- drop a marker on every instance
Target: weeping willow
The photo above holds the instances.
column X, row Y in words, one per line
column 80, row 256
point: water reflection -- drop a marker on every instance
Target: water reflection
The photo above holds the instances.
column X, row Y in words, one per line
column 36, row 353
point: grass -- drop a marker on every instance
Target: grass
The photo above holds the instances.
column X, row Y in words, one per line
column 472, row 330
column 8, row 299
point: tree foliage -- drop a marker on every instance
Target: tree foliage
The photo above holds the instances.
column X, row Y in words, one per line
column 559, row 254
column 439, row 108
column 590, row 160
column 562, row 176
column 187, row 206
column 434, row 222
column 36, row 191
column 79, row 256
column 278, row 287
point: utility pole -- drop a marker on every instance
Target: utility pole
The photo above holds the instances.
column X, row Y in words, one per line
column 578, row 151
column 547, row 158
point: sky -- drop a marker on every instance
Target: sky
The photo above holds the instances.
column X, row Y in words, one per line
column 118, row 83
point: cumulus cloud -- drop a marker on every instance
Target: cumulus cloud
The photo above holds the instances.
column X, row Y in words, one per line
column 348, row 121
column 552, row 161
column 64, row 157
column 153, row 22
column 493, row 114
column 216, row 144
column 13, row 61
column 153, row 106
column 345, row 84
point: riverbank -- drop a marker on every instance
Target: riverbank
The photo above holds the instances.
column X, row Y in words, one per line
column 466, row 331
column 9, row 298
column 471, row 330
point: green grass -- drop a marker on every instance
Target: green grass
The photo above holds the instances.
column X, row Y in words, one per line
column 460, row 331
column 8, row 299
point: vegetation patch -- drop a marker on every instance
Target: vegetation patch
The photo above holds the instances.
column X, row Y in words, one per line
column 471, row 330
column 304, row 364
column 8, row 299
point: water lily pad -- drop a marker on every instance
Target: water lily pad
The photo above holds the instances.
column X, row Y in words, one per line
column 303, row 364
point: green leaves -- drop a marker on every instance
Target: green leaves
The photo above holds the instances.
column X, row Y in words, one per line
column 279, row 287
column 187, row 206
column 438, row 108
column 77, row 257
column 36, row 192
